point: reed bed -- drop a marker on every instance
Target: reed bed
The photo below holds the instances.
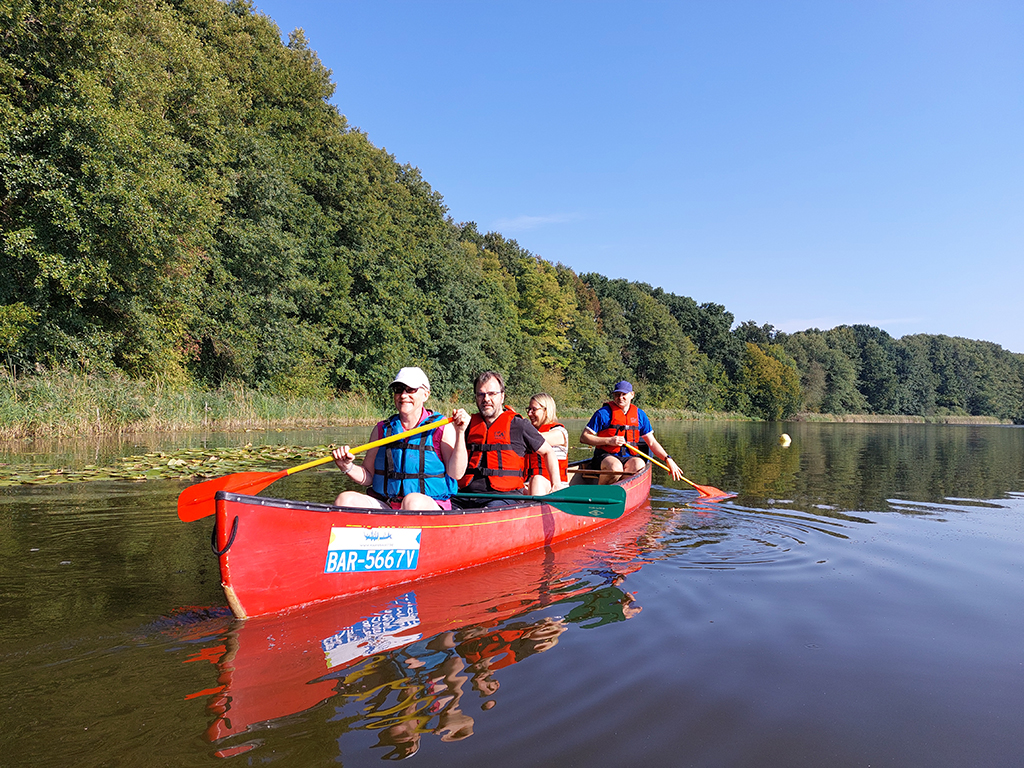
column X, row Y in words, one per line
column 69, row 405
column 871, row 418
column 63, row 404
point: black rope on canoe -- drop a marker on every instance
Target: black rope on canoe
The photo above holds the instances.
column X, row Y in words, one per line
column 231, row 538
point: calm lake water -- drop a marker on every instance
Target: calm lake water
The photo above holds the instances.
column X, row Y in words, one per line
column 859, row 603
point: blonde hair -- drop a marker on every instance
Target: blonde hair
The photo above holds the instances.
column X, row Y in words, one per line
column 547, row 402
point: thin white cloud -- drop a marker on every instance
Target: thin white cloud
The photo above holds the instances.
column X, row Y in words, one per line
column 524, row 223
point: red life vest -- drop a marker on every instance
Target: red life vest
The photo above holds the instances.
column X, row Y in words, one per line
column 626, row 424
column 491, row 455
column 537, row 466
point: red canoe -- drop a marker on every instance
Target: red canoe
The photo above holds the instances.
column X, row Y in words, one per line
column 276, row 554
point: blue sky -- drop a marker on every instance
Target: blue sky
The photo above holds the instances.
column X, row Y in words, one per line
column 804, row 164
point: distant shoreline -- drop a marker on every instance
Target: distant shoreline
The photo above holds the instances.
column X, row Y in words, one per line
column 880, row 418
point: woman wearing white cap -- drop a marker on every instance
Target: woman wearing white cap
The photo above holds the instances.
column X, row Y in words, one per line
column 419, row 472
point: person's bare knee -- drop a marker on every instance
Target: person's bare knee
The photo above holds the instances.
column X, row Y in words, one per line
column 419, row 501
column 347, row 499
column 356, row 499
column 609, row 464
column 538, row 486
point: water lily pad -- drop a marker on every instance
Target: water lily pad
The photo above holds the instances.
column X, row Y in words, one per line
column 188, row 463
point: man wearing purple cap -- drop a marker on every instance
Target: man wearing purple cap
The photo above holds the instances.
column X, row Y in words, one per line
column 616, row 424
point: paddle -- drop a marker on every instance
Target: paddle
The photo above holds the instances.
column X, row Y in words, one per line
column 703, row 490
column 586, row 500
column 196, row 501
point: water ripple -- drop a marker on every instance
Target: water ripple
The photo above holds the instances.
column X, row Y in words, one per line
column 700, row 534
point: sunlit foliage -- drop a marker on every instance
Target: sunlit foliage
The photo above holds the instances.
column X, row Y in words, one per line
column 179, row 202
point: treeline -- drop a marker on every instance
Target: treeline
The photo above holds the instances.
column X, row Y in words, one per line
column 860, row 369
column 178, row 201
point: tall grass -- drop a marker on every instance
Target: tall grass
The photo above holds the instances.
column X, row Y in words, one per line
column 60, row 404
column 63, row 404
column 872, row 418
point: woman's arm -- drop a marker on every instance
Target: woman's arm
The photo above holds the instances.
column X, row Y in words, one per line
column 556, row 436
column 362, row 474
column 453, row 445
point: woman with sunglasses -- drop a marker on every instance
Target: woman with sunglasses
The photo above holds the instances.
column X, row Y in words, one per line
column 542, row 415
column 419, row 472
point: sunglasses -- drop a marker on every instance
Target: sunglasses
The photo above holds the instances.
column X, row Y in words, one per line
column 401, row 389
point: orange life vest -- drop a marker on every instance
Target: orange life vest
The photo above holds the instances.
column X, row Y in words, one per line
column 537, row 466
column 491, row 455
column 626, row 424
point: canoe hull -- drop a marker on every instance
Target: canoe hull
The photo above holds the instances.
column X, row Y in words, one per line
column 276, row 554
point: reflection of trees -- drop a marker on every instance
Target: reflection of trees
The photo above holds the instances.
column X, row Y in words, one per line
column 861, row 466
column 851, row 467
column 605, row 605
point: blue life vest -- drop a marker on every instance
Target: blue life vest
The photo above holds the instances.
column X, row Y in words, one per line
column 411, row 465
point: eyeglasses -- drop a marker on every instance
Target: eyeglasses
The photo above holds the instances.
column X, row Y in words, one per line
column 534, row 409
column 487, row 395
column 401, row 389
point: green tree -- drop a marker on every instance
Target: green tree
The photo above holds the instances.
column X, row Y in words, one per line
column 769, row 382
column 914, row 371
column 829, row 363
column 879, row 383
column 592, row 367
column 103, row 210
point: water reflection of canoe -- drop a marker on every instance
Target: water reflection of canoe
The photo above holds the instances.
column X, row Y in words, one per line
column 276, row 554
column 285, row 663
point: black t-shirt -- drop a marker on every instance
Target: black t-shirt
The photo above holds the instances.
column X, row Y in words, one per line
column 525, row 437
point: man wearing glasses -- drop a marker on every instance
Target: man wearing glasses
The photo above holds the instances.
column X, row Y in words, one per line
column 616, row 424
column 419, row 472
column 497, row 442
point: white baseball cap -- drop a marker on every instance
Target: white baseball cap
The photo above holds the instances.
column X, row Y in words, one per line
column 412, row 377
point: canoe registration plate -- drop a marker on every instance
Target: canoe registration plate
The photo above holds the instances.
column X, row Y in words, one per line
column 356, row 550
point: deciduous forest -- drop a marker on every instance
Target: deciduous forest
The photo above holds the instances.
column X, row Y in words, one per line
column 180, row 201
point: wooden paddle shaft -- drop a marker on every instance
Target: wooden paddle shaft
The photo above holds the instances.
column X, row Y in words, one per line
column 374, row 444
column 704, row 490
column 638, row 452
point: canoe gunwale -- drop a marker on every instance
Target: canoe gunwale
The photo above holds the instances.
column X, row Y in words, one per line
column 310, row 506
